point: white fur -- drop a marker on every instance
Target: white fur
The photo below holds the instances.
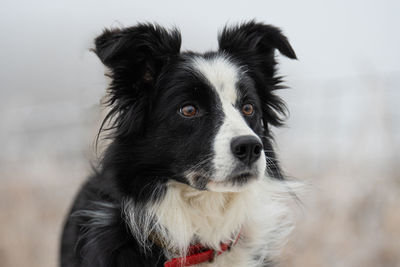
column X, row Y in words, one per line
column 187, row 215
column 223, row 75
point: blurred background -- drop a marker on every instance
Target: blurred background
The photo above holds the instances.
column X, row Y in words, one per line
column 342, row 138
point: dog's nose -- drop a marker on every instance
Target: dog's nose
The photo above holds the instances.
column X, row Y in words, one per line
column 246, row 148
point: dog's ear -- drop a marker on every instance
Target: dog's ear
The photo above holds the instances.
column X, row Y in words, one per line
column 144, row 49
column 253, row 46
column 135, row 57
column 253, row 37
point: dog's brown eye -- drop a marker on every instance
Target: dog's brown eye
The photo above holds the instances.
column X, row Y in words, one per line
column 188, row 111
column 248, row 109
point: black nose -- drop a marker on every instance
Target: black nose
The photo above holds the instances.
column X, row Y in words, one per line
column 246, row 148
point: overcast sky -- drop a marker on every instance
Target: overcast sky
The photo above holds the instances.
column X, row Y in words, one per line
column 48, row 77
column 332, row 38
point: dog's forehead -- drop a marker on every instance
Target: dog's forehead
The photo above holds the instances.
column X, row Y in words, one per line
column 221, row 73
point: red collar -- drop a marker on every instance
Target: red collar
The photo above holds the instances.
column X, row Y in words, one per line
column 198, row 254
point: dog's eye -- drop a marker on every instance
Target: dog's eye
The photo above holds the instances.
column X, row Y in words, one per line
column 248, row 109
column 188, row 111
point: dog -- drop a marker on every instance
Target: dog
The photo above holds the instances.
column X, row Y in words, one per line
column 190, row 176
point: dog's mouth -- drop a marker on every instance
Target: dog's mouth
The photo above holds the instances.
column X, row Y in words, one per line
column 234, row 182
column 242, row 178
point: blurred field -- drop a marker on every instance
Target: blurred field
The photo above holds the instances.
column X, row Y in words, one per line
column 342, row 138
column 344, row 143
column 348, row 158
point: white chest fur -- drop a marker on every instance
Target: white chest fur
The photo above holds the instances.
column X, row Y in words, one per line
column 186, row 214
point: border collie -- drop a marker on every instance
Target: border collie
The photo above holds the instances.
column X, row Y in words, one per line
column 190, row 176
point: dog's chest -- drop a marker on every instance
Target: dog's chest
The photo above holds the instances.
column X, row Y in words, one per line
column 208, row 218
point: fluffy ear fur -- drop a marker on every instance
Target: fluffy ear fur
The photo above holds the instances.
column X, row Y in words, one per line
column 135, row 57
column 253, row 45
column 255, row 37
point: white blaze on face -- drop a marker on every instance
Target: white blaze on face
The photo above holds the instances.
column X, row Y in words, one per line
column 223, row 75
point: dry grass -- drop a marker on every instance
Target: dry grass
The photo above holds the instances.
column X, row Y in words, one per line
column 347, row 217
column 348, row 220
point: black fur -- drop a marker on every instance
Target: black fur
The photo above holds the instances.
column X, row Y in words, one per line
column 151, row 143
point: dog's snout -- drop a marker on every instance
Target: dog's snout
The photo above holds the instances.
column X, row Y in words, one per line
column 246, row 148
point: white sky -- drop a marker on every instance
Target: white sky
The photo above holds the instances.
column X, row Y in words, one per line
column 49, row 78
column 332, row 38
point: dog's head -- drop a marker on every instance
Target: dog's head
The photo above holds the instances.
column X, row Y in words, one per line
column 200, row 119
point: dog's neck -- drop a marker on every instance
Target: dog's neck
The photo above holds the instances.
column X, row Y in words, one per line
column 190, row 215
column 185, row 216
